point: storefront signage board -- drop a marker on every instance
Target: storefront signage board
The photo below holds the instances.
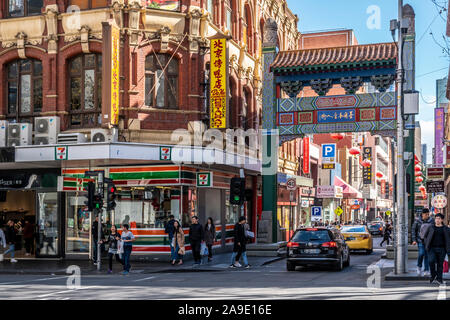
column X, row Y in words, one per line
column 306, row 158
column 204, row 179
column 435, row 186
column 367, row 171
column 439, row 201
column 330, row 192
column 165, row 153
column 435, row 173
column 218, row 80
column 61, row 152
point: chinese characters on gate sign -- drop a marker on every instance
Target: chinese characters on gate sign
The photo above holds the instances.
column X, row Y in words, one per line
column 218, row 94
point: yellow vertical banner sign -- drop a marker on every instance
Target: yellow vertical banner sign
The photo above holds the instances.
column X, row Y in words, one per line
column 218, row 83
column 115, row 72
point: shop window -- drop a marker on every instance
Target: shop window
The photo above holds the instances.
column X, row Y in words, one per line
column 150, row 208
column 85, row 90
column 161, row 81
column 89, row 4
column 78, row 224
column 21, row 8
column 24, row 83
column 232, row 212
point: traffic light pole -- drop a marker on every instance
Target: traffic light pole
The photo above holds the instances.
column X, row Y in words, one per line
column 99, row 226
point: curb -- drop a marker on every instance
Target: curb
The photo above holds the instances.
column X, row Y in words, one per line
column 273, row 260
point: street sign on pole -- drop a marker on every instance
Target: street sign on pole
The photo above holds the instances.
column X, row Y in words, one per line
column 338, row 211
column 291, row 184
column 316, row 213
column 439, row 202
column 328, row 155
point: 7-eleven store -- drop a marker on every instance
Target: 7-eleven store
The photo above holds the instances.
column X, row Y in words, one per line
column 147, row 195
column 149, row 190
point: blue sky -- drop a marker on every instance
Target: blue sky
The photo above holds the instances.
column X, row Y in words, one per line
column 317, row 15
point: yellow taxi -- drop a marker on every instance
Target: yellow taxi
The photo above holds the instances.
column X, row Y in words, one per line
column 358, row 238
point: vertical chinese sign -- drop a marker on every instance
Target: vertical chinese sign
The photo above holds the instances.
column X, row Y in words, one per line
column 111, row 74
column 306, row 155
column 218, row 83
column 367, row 171
column 439, row 135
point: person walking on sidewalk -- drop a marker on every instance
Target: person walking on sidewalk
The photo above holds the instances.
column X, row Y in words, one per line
column 240, row 241
column 422, row 222
column 169, row 230
column 178, row 244
column 28, row 236
column 127, row 238
column 113, row 251
column 386, row 234
column 437, row 244
column 196, row 237
column 210, row 236
column 10, row 235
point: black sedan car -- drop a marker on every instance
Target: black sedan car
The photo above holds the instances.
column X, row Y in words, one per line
column 375, row 228
column 317, row 246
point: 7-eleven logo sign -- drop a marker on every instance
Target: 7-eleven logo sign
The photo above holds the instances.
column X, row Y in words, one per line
column 204, row 179
column 61, row 152
column 165, row 153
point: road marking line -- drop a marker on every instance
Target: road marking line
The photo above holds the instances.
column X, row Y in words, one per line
column 65, row 291
column 144, row 279
column 35, row 280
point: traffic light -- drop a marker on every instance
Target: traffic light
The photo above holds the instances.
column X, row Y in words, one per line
column 237, row 191
column 111, row 196
column 98, row 201
column 91, row 194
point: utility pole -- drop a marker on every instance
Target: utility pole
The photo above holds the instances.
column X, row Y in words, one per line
column 402, row 250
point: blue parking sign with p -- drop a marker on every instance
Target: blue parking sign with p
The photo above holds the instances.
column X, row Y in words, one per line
column 329, row 150
column 316, row 211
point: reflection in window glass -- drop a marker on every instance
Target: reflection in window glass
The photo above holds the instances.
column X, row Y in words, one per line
column 25, row 94
column 232, row 211
column 75, row 87
column 89, row 76
column 160, row 85
column 16, row 8
column 78, row 225
column 12, row 97
column 37, row 95
column 48, row 224
column 149, row 89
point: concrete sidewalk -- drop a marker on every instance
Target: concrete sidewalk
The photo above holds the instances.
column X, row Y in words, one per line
column 410, row 276
column 220, row 262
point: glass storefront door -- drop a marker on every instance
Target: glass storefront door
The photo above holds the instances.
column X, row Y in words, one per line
column 48, row 237
column 78, row 224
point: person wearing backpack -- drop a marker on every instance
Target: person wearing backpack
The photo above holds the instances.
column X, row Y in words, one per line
column 419, row 228
column 169, row 229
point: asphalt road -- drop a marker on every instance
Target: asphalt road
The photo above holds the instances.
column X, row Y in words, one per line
column 264, row 282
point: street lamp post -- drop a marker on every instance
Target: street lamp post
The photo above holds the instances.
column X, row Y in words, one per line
column 402, row 253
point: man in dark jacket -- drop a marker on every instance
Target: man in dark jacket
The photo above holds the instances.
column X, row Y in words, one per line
column 10, row 235
column 240, row 241
column 196, row 237
column 416, row 239
column 437, row 244
column 169, row 229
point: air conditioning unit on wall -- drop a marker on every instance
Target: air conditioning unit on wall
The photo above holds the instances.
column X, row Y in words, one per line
column 3, row 133
column 72, row 138
column 103, row 135
column 46, row 130
column 19, row 134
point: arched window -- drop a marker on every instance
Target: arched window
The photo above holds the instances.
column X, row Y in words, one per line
column 20, row 8
column 161, row 81
column 85, row 90
column 248, row 30
column 89, row 4
column 24, row 83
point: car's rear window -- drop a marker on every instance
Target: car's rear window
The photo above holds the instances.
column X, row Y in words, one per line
column 311, row 235
column 353, row 229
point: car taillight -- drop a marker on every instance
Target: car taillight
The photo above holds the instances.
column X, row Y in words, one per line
column 381, row 229
column 330, row 244
column 292, row 244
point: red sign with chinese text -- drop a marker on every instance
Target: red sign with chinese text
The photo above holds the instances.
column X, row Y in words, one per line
column 306, row 155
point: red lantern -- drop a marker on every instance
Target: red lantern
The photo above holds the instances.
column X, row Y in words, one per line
column 379, row 174
column 418, row 173
column 419, row 179
column 422, row 188
column 354, row 151
column 391, row 189
column 416, row 161
column 366, row 163
column 337, row 136
column 417, row 168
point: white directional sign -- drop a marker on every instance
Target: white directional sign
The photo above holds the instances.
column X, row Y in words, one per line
column 316, row 213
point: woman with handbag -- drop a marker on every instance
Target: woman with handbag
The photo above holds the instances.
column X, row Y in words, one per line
column 210, row 236
column 113, row 241
column 178, row 242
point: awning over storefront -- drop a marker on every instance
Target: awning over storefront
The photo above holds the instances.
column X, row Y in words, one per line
column 349, row 191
